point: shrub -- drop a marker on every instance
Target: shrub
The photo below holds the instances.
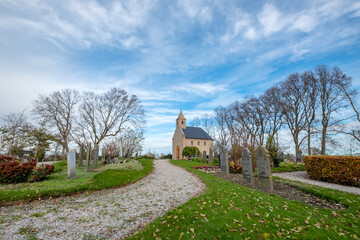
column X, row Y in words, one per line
column 14, row 172
column 289, row 166
column 190, row 151
column 40, row 173
column 337, row 169
column 235, row 167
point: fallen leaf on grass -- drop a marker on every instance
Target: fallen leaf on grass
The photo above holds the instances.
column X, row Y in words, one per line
column 247, row 215
column 192, row 230
column 235, row 221
column 279, row 234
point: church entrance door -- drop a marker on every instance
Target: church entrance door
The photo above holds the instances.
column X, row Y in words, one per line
column 177, row 152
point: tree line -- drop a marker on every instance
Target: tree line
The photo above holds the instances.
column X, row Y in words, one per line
column 318, row 102
column 67, row 116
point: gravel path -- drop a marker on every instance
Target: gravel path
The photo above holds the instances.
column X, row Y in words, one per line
column 108, row 214
column 302, row 176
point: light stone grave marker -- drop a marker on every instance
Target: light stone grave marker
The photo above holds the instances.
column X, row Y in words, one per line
column 211, row 153
column 204, row 156
column 88, row 158
column 71, row 161
column 81, row 155
column 224, row 165
column 263, row 167
column 248, row 174
column 96, row 157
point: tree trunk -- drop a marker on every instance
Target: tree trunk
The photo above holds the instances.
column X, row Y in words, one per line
column 309, row 138
column 323, row 141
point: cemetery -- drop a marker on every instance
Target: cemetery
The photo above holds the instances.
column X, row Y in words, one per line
column 179, row 120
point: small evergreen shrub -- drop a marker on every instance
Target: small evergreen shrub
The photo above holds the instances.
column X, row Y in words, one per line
column 337, row 169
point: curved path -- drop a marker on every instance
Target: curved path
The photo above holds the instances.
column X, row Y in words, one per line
column 302, row 176
column 111, row 214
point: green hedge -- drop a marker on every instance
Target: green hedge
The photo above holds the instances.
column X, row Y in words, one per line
column 336, row 169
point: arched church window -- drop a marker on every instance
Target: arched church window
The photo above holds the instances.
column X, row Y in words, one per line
column 182, row 122
column 192, row 142
column 204, row 143
column 198, row 143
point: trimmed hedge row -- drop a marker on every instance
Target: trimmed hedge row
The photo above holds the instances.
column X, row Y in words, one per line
column 337, row 169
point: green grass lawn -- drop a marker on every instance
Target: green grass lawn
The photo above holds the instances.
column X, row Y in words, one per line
column 230, row 211
column 57, row 184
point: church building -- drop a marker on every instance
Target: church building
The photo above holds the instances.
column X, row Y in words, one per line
column 189, row 137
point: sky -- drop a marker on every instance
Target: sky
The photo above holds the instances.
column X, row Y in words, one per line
column 192, row 55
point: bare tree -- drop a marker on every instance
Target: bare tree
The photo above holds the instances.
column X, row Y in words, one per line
column 106, row 115
column 310, row 104
column 195, row 122
column 130, row 143
column 221, row 130
column 293, row 107
column 57, row 109
column 344, row 84
column 207, row 121
column 271, row 102
column 14, row 129
column 330, row 83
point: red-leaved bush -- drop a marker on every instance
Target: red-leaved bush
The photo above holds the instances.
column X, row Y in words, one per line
column 337, row 169
column 14, row 172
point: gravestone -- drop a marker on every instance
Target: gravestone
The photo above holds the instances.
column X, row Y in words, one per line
column 263, row 168
column 71, row 160
column 298, row 156
column 108, row 159
column 196, row 153
column 81, row 155
column 200, row 157
column 96, row 157
column 211, row 155
column 204, row 156
column 248, row 174
column 224, row 165
column 88, row 158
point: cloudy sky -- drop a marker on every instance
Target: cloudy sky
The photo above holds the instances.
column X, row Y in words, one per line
column 188, row 54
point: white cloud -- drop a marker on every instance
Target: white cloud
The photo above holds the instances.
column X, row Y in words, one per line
column 304, row 23
column 271, row 19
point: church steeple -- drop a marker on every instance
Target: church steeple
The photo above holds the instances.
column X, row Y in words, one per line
column 181, row 120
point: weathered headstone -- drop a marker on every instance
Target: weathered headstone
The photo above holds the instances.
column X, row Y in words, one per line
column 298, row 156
column 248, row 174
column 263, row 168
column 200, row 157
column 81, row 155
column 108, row 159
column 224, row 165
column 196, row 153
column 71, row 161
column 204, row 156
column 211, row 153
column 96, row 157
column 88, row 158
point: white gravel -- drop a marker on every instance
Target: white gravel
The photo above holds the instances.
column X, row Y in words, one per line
column 302, row 176
column 111, row 214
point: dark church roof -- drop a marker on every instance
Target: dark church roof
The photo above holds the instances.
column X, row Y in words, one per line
column 196, row 132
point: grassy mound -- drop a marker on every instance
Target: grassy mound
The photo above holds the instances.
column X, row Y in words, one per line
column 58, row 184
